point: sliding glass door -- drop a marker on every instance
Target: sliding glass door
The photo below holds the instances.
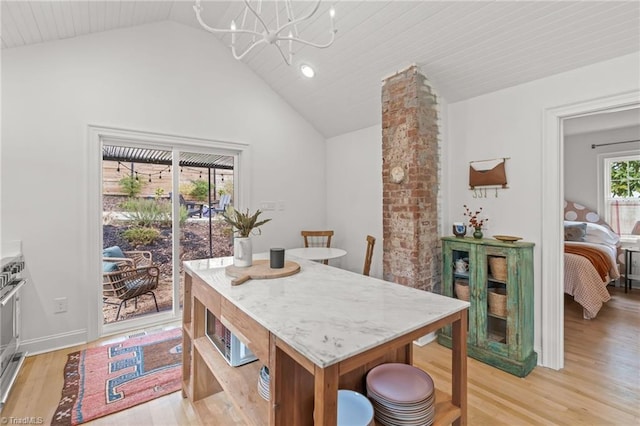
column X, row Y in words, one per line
column 160, row 206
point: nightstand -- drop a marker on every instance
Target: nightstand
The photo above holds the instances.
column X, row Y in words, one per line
column 628, row 267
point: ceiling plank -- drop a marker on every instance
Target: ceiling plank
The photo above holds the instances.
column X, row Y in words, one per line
column 163, row 10
column 112, row 15
column 43, row 15
column 25, row 22
column 127, row 11
column 140, row 13
column 99, row 15
column 10, row 31
column 555, row 47
column 64, row 19
column 80, row 13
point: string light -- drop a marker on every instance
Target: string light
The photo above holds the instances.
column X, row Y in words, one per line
column 159, row 173
column 124, row 167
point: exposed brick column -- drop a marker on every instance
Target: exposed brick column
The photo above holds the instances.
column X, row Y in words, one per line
column 411, row 243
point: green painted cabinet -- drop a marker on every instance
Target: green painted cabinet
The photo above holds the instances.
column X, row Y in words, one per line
column 497, row 279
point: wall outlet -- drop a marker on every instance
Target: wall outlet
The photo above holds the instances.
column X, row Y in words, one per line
column 267, row 206
column 59, row 305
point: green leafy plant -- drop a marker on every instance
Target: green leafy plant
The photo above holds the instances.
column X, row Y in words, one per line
column 243, row 223
column 186, row 188
column 225, row 188
column 130, row 186
column 184, row 214
column 200, row 190
column 141, row 235
column 625, row 179
column 147, row 212
column 159, row 192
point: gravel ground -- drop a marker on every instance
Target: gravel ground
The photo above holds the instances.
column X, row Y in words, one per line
column 194, row 244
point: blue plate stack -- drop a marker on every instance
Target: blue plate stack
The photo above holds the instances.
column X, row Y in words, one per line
column 263, row 382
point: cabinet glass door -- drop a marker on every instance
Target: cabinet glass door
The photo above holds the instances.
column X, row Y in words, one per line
column 493, row 306
column 461, row 271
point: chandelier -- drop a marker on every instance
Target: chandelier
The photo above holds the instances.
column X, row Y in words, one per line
column 253, row 29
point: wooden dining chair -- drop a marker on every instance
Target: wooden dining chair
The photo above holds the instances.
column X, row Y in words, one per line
column 371, row 241
column 317, row 239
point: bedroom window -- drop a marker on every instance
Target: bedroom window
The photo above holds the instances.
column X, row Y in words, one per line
column 622, row 192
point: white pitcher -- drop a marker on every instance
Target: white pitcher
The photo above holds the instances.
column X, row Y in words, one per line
column 242, row 252
column 461, row 266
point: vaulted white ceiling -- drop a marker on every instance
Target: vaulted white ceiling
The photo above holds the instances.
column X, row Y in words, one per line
column 465, row 48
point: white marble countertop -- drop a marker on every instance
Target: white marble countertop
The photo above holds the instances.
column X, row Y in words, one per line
column 325, row 313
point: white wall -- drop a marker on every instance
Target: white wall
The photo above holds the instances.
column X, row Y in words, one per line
column 581, row 161
column 508, row 123
column 163, row 77
column 354, row 196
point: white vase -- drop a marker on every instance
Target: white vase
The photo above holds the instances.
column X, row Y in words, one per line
column 242, row 252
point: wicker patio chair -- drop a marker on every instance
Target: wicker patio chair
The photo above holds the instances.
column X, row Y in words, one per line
column 128, row 283
column 135, row 258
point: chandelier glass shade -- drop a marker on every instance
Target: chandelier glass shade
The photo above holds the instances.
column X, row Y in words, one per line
column 278, row 27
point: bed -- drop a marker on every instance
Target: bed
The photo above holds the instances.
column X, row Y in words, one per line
column 591, row 258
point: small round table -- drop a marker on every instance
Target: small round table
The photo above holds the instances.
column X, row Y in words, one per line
column 316, row 253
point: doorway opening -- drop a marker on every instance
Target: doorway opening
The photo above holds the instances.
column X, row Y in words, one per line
column 552, row 315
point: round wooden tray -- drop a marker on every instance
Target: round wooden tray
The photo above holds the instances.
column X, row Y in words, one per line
column 507, row 238
column 260, row 270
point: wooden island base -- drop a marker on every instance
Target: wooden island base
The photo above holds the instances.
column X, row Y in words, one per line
column 302, row 392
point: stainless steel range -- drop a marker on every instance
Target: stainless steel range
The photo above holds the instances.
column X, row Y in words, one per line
column 11, row 359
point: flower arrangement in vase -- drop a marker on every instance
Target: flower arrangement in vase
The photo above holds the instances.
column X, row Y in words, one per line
column 475, row 221
column 244, row 224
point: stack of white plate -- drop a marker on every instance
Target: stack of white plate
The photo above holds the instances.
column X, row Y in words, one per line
column 263, row 382
column 402, row 395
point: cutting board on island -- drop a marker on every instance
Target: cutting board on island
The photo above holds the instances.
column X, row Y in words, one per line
column 260, row 270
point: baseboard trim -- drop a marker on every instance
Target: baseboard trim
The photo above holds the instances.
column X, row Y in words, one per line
column 54, row 342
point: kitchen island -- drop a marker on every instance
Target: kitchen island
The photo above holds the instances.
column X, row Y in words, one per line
column 318, row 331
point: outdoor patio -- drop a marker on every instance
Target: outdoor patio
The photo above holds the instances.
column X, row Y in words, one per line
column 194, row 244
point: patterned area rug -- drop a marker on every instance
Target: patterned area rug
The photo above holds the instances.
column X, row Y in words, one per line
column 104, row 380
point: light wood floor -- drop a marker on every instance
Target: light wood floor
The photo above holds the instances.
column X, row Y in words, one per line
column 600, row 384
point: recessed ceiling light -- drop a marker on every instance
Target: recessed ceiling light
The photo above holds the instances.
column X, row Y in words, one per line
column 307, row 71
